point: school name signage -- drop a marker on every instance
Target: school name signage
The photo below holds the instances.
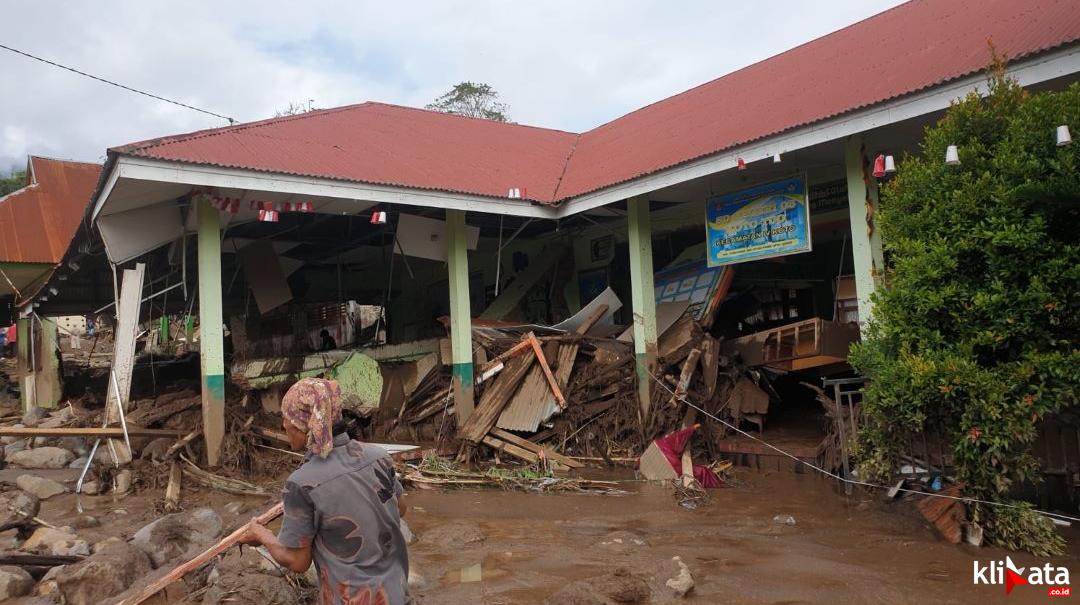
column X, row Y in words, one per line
column 761, row 222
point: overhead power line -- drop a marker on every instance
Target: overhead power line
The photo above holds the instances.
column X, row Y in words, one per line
column 111, row 83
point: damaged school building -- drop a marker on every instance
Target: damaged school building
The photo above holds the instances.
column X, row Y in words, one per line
column 499, row 290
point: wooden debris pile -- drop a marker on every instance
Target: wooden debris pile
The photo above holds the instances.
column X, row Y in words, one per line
column 546, row 395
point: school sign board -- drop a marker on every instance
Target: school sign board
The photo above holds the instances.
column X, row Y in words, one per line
column 760, row 222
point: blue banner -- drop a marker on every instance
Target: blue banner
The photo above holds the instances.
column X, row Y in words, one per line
column 761, row 222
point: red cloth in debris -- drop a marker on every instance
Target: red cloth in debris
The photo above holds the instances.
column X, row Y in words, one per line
column 672, row 445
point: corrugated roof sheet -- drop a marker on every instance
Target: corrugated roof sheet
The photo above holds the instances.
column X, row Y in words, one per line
column 38, row 221
column 903, row 50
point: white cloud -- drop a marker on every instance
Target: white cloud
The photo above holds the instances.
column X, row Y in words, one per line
column 561, row 64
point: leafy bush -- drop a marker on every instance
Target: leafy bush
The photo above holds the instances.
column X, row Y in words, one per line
column 975, row 330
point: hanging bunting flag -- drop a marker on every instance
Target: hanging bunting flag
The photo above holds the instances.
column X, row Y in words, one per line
column 268, row 216
column 378, row 218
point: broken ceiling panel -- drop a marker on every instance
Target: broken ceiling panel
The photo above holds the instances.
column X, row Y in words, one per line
column 131, row 234
column 424, row 237
column 265, row 275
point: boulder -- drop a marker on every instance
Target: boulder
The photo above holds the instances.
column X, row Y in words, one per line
column 78, row 463
column 176, row 534
column 49, row 541
column 18, row 506
column 15, row 446
column 39, row 486
column 115, row 567
column 123, row 482
column 47, row 586
column 91, row 487
column 14, row 583
column 42, row 457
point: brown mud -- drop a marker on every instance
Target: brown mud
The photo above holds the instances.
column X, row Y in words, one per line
column 488, row 546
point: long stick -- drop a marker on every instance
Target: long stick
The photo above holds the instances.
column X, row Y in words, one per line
column 547, row 371
column 181, row 570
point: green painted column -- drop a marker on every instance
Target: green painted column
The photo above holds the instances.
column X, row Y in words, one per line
column 863, row 205
column 211, row 349
column 643, row 297
column 457, row 256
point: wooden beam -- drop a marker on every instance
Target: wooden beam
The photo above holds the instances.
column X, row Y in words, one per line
column 535, row 448
column 685, row 376
column 509, row 448
column 111, row 431
column 555, row 390
column 172, row 490
column 495, row 398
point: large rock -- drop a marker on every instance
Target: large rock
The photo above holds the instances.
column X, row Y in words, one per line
column 104, row 454
column 14, row 447
column 115, row 567
column 39, row 486
column 14, row 583
column 49, row 541
column 18, row 506
column 176, row 534
column 42, row 457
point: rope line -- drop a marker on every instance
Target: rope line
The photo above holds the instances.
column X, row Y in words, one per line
column 827, row 473
column 118, row 85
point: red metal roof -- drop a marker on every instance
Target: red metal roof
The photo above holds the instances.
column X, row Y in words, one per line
column 903, row 50
column 38, row 221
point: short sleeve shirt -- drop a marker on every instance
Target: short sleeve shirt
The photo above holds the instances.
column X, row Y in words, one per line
column 346, row 506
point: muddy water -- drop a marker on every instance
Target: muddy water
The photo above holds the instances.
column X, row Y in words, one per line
column 511, row 547
column 840, row 550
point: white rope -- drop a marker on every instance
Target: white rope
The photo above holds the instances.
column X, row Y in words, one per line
column 844, row 479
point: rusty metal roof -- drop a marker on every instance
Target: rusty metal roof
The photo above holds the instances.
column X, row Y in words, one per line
column 911, row 47
column 38, row 221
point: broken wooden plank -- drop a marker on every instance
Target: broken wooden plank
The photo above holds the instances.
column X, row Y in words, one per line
column 508, row 300
column 147, row 415
column 181, row 570
column 547, row 371
column 675, row 344
column 172, row 490
column 684, row 377
column 183, row 442
column 510, row 448
column 495, row 398
column 89, row 431
column 710, row 365
column 533, row 447
column 23, row 559
column 687, row 467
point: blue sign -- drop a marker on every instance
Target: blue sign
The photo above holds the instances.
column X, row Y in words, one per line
column 761, row 222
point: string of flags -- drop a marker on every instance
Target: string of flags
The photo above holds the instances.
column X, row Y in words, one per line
column 516, row 193
column 269, row 212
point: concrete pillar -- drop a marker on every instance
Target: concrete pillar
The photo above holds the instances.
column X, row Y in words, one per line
column 643, row 297
column 48, row 386
column 862, row 192
column 457, row 255
column 25, row 370
column 211, row 349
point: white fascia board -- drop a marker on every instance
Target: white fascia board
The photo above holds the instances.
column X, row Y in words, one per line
column 99, row 203
column 147, row 169
column 1039, row 69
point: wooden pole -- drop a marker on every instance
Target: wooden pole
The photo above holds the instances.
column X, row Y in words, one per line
column 547, row 371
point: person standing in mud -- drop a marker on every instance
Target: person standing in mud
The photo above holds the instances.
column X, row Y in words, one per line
column 343, row 506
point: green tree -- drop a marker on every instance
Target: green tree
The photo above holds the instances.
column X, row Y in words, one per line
column 473, row 100
column 975, row 334
column 13, row 182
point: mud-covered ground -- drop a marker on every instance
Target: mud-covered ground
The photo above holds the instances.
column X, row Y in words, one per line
column 859, row 549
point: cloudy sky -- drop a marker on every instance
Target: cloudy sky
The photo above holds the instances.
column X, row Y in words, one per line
column 561, row 64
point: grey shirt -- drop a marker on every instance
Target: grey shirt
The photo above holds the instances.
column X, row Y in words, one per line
column 347, row 504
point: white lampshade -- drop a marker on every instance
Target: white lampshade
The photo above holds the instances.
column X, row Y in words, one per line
column 890, row 164
column 952, row 156
column 1063, row 135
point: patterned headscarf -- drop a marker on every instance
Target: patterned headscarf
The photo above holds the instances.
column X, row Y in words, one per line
column 313, row 405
